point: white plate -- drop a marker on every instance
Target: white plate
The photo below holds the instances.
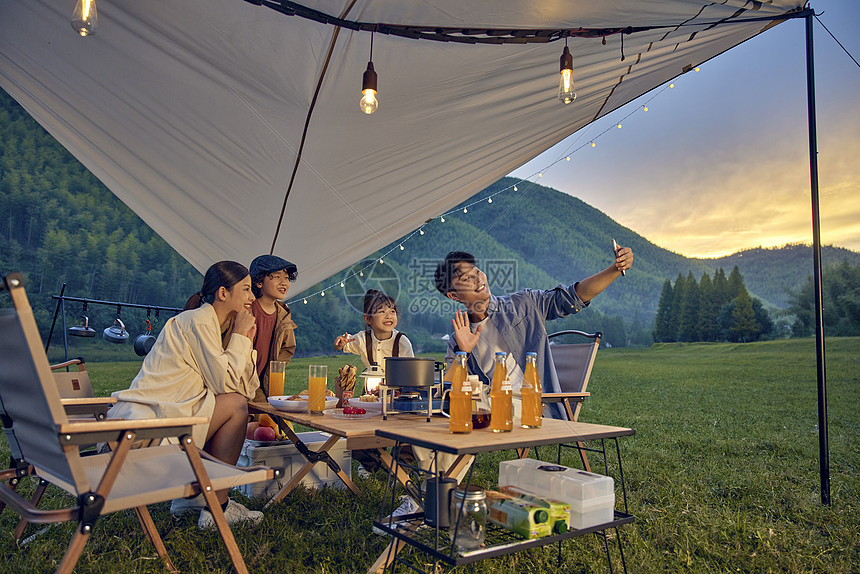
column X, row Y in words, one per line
column 283, row 404
column 375, row 406
column 338, row 414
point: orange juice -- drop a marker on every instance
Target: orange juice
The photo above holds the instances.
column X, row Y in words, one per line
column 500, row 371
column 502, row 416
column 460, row 399
column 276, row 384
column 317, row 376
column 531, row 394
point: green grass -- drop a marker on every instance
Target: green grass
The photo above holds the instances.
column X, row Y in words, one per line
column 722, row 476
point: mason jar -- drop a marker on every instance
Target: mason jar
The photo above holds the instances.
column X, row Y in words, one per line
column 468, row 518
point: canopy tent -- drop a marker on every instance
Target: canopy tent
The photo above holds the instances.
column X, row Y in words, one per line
column 232, row 129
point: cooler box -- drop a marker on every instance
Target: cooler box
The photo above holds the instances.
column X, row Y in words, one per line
column 287, row 456
column 591, row 496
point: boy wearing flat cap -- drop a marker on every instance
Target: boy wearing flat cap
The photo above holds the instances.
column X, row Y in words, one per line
column 275, row 339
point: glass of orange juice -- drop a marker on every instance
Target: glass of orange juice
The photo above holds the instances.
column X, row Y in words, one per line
column 276, row 378
column 317, row 377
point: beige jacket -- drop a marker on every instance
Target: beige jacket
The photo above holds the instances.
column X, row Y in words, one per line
column 186, row 368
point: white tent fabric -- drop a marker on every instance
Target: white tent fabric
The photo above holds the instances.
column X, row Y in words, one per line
column 193, row 112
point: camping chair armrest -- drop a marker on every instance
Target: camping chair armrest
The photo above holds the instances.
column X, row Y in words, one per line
column 96, row 407
column 559, row 397
column 69, row 363
column 90, row 432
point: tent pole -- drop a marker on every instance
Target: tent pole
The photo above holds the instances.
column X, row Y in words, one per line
column 823, row 449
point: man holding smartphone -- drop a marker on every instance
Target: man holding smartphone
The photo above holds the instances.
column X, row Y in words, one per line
column 514, row 324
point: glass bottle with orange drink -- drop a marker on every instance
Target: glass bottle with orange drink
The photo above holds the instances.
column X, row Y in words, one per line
column 531, row 394
column 460, row 397
column 500, row 371
column 501, row 416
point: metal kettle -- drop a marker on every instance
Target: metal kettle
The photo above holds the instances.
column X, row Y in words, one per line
column 82, row 330
column 116, row 333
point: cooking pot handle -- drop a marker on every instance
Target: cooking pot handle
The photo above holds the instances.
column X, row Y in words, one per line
column 121, row 324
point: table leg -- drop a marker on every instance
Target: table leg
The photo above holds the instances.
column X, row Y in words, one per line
column 322, row 452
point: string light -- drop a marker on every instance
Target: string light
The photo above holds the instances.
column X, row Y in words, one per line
column 567, row 157
column 565, row 82
column 369, row 103
column 85, row 18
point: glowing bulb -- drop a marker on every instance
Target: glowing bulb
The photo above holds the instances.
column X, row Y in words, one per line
column 421, row 231
column 515, row 188
column 381, row 262
column 401, row 248
column 341, row 283
column 305, row 301
column 540, row 175
column 489, row 200
column 361, row 273
column 696, row 68
column 465, row 210
column 619, row 126
column 322, row 293
column 567, row 158
column 442, row 219
column 368, row 103
column 565, row 81
column 85, row 18
column 671, row 85
column 645, row 109
column 593, row 144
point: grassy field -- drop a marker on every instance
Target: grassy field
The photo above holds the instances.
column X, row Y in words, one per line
column 722, row 476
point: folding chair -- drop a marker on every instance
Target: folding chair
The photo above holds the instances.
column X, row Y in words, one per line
column 76, row 392
column 45, row 443
column 573, row 363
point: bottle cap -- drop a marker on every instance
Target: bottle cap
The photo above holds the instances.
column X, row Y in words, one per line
column 531, row 353
column 502, row 353
column 460, row 353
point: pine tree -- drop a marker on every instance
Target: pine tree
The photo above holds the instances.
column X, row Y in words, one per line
column 709, row 310
column 663, row 330
column 689, row 317
column 744, row 327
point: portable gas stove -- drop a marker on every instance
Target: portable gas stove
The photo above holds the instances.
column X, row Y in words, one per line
column 421, row 400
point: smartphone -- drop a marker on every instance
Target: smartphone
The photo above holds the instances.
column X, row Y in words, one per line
column 615, row 252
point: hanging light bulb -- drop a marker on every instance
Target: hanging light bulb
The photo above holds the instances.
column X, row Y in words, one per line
column 565, row 82
column 489, row 200
column 421, row 231
column 85, row 19
column 369, row 103
column 442, row 219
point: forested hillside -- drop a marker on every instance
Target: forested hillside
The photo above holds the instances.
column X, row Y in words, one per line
column 59, row 225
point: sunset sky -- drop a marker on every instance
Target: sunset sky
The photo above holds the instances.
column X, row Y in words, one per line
column 720, row 162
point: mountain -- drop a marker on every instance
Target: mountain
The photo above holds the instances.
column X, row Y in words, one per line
column 62, row 227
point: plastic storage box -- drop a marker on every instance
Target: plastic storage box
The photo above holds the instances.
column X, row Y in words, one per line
column 285, row 455
column 591, row 496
